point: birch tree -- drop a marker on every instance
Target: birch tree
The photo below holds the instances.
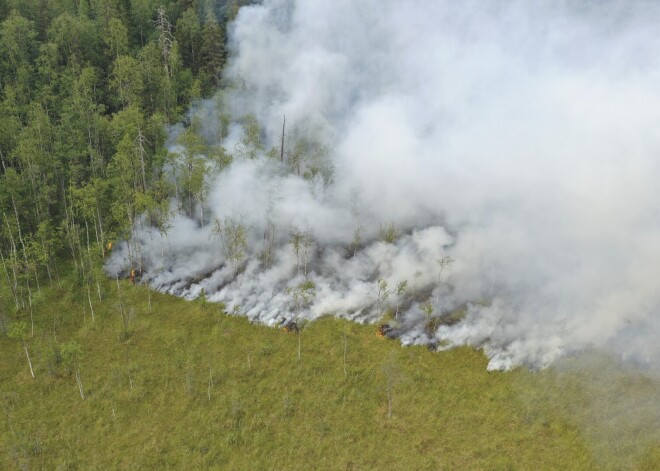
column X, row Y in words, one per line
column 233, row 235
column 18, row 331
column 71, row 353
column 443, row 262
column 382, row 294
column 400, row 291
column 427, row 308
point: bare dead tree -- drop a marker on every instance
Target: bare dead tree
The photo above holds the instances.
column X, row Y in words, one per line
column 19, row 332
column 345, row 345
column 282, row 142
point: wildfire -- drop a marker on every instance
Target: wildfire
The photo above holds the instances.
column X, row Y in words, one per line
column 290, row 327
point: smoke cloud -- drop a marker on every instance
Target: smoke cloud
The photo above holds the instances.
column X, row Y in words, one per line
column 518, row 138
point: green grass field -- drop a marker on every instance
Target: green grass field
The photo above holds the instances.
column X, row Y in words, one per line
column 180, row 385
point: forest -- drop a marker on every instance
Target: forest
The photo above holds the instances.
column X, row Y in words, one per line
column 87, row 91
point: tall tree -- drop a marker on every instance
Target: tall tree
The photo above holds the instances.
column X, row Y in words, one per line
column 189, row 36
column 17, row 35
column 127, row 81
column 212, row 50
column 141, row 15
column 192, row 167
column 76, row 38
column 116, row 37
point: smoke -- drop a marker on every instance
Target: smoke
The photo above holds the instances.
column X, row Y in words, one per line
column 519, row 138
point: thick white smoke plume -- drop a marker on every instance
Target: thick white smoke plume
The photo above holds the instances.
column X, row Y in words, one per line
column 520, row 138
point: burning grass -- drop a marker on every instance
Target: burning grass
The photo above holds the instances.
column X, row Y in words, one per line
column 182, row 385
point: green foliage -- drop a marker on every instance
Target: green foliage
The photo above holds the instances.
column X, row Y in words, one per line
column 427, row 308
column 388, row 232
column 212, row 50
column 127, row 81
column 382, row 295
column 301, row 242
column 301, row 295
column 17, row 35
column 233, row 234
column 189, row 37
column 19, row 331
column 298, row 156
column 250, row 143
column 86, row 89
column 356, row 243
column 191, row 168
column 76, row 40
column 70, row 353
column 116, row 37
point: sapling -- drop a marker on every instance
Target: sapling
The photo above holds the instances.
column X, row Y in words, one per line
column 70, row 353
column 400, row 291
column 444, row 262
column 249, row 145
column 382, row 293
column 233, row 234
column 357, row 240
column 427, row 309
column 388, row 232
column 307, row 242
column 296, row 239
column 300, row 296
column 18, row 331
column 269, row 242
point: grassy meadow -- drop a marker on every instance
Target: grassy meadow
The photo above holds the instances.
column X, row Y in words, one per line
column 170, row 384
